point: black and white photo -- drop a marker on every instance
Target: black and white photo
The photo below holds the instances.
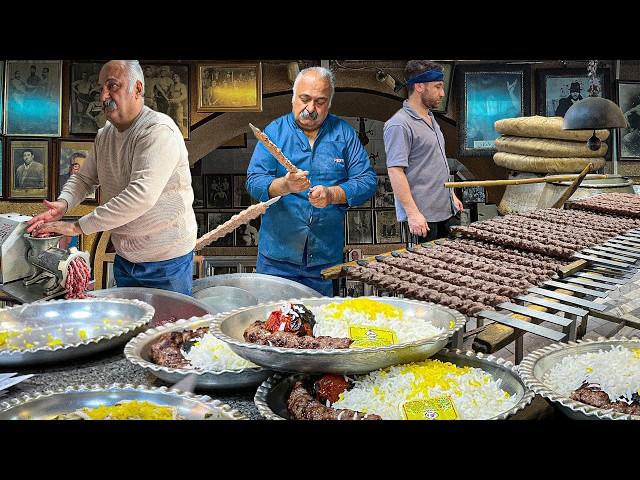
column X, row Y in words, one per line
column 359, row 227
column 247, row 234
column 216, row 219
column 201, row 220
column 559, row 89
column 384, row 192
column 198, row 191
column 355, row 289
column 473, row 195
column 166, row 90
column 629, row 101
column 29, row 167
column 219, row 191
column 387, row 227
column 241, row 197
column 85, row 108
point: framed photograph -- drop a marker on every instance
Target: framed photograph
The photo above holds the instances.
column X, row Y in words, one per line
column 69, row 242
column 489, row 93
column 71, row 158
column 236, row 142
column 201, row 220
column 247, row 235
column 354, row 255
column 33, row 98
column 359, row 227
column 166, row 90
column 447, row 69
column 557, row 89
column 241, row 197
column 355, row 289
column 85, row 108
column 384, row 192
column 219, row 191
column 197, row 183
column 216, row 219
column 28, row 167
column 629, row 138
column 387, row 227
column 229, row 87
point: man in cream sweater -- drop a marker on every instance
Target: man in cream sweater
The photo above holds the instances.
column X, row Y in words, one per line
column 140, row 162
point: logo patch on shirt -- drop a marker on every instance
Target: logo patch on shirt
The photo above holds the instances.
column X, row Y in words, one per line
column 339, row 160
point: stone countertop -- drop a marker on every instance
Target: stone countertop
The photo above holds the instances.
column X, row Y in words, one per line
column 112, row 367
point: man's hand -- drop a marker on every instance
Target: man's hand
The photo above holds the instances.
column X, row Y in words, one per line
column 56, row 211
column 69, row 229
column 296, row 182
column 320, row 196
column 418, row 224
column 456, row 201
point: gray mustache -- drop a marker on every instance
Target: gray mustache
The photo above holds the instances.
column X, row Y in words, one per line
column 305, row 115
column 110, row 103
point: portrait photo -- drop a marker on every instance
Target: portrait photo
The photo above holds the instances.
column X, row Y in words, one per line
column 219, row 191
column 629, row 138
column 197, row 184
column 558, row 89
column 354, row 289
column 447, row 70
column 354, row 255
column 241, row 197
column 247, row 235
column 384, row 192
column 359, row 227
column 387, row 227
column 28, row 167
column 72, row 157
column 229, row 87
column 33, row 98
column 85, row 108
column 216, row 219
column 166, row 90
column 489, row 93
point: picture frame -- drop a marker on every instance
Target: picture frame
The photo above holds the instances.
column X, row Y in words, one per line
column 248, row 235
column 219, row 191
column 197, row 184
column 354, row 254
column 388, row 229
column 167, row 89
column 33, row 181
column 628, row 93
column 384, row 192
column 359, row 227
column 71, row 157
column 229, row 87
column 201, row 220
column 447, row 69
column 33, row 86
column 366, row 204
column 241, row 197
column 554, row 89
column 354, row 289
column 76, row 241
column 236, row 142
column 85, row 108
column 489, row 93
column 218, row 218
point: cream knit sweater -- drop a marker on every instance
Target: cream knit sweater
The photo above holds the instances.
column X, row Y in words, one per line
column 145, row 189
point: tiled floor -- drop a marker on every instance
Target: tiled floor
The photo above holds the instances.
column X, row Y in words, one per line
column 596, row 328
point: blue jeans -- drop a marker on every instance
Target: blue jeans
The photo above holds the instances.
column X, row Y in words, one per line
column 175, row 274
column 309, row 276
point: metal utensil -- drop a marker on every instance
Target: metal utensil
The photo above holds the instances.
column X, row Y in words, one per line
column 10, row 382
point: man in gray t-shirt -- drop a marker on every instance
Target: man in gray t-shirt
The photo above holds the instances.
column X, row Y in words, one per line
column 416, row 159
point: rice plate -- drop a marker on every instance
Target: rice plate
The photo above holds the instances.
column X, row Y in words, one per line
column 212, row 354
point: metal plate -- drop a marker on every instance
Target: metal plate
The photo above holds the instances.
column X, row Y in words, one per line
column 230, row 327
column 535, row 366
column 223, row 298
column 267, row 288
column 271, row 397
column 138, row 352
column 169, row 306
column 46, row 405
column 83, row 327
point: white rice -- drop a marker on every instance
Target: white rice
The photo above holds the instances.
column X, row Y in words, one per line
column 209, row 353
column 336, row 324
column 616, row 372
column 475, row 393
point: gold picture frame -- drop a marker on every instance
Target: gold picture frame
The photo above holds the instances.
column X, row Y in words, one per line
column 31, row 182
column 229, row 87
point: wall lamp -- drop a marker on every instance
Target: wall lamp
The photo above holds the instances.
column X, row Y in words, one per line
column 391, row 80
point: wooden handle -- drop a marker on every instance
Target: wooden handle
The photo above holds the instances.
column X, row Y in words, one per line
column 522, row 181
column 573, row 187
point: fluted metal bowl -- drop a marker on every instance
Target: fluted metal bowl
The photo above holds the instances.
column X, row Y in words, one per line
column 47, row 405
column 138, row 352
column 230, row 328
column 60, row 330
column 535, row 367
column 271, row 397
column 223, row 298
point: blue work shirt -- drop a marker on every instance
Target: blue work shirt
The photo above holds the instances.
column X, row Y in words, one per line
column 337, row 158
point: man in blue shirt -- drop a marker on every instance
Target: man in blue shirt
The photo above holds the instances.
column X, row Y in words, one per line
column 303, row 233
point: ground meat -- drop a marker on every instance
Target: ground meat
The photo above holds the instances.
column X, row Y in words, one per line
column 598, row 398
column 166, row 350
column 302, row 406
column 78, row 278
column 257, row 333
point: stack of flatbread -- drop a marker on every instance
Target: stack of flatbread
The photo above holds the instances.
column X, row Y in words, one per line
column 540, row 145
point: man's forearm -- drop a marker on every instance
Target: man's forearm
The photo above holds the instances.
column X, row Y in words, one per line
column 338, row 195
column 278, row 187
column 402, row 190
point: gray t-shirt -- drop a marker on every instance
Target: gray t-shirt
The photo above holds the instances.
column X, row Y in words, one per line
column 410, row 142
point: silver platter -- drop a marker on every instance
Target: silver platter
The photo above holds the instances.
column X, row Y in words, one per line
column 60, row 330
column 535, row 366
column 46, row 405
column 230, row 327
column 271, row 397
column 138, row 352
